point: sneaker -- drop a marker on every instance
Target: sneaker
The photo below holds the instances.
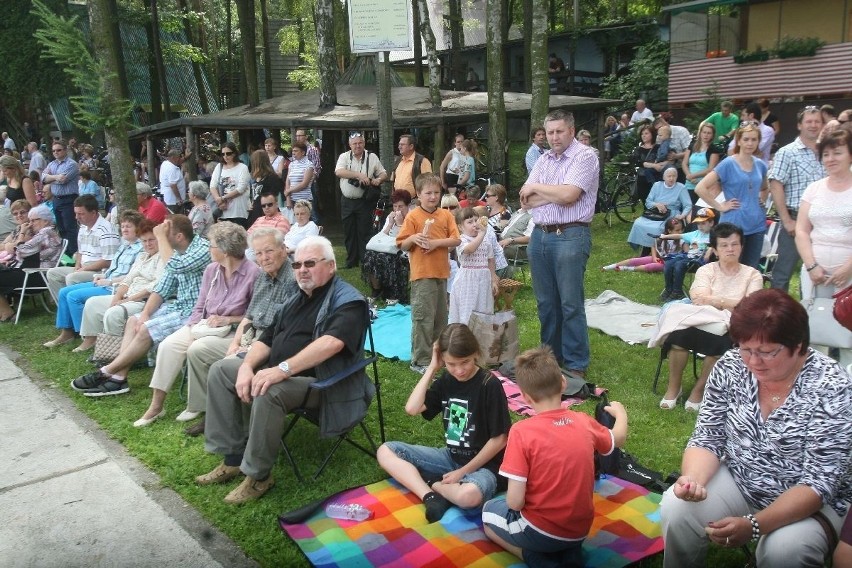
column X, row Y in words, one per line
column 249, row 490
column 419, row 369
column 90, row 381
column 436, row 506
column 108, row 388
column 221, row 474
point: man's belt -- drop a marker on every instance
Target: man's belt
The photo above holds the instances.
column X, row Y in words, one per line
column 558, row 228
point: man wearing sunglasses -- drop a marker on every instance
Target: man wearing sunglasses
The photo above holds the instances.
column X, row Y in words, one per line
column 361, row 175
column 271, row 217
column 60, row 179
column 318, row 331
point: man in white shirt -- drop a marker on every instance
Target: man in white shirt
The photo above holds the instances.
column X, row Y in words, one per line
column 641, row 113
column 172, row 184
column 37, row 161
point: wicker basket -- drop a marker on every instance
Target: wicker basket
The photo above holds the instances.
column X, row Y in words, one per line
column 506, row 293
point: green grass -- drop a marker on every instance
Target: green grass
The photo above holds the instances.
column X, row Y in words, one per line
column 656, row 437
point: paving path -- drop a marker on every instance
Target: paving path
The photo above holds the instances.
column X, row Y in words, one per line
column 71, row 497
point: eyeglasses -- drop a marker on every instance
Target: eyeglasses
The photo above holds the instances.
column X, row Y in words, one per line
column 308, row 263
column 745, row 123
column 354, row 135
column 810, row 108
column 265, row 205
column 227, row 153
column 490, row 195
column 20, row 213
column 762, row 355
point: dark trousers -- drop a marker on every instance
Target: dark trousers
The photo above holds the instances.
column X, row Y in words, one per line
column 357, row 216
column 66, row 222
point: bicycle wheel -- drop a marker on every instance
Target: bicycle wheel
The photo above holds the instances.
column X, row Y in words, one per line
column 606, row 194
column 626, row 205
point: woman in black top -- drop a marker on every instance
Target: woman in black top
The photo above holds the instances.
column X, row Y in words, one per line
column 266, row 182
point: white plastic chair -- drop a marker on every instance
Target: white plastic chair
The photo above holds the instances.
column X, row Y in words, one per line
column 27, row 287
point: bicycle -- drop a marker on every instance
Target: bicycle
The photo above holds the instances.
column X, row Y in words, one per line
column 618, row 196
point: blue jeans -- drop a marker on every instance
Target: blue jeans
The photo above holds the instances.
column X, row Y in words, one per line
column 752, row 246
column 558, row 265
column 675, row 268
column 72, row 301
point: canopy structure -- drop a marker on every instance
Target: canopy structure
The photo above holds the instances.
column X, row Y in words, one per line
column 356, row 108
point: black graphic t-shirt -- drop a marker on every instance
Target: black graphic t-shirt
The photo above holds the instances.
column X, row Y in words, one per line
column 473, row 411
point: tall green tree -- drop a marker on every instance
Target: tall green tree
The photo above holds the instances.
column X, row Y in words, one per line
column 326, row 52
column 496, row 105
column 93, row 71
column 537, row 59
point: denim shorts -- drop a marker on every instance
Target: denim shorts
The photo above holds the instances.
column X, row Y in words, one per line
column 439, row 461
column 510, row 526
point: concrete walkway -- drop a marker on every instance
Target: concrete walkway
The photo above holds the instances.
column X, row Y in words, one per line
column 71, row 497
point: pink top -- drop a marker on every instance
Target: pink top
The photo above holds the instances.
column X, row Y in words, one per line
column 277, row 221
column 222, row 298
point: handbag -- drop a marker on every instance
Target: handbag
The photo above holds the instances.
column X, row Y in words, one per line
column 107, row 347
column 655, row 214
column 382, row 242
column 824, row 328
column 497, row 334
column 843, row 307
column 202, row 329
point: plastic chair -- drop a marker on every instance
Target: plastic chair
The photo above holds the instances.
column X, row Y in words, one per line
column 664, row 354
column 28, row 287
column 312, row 414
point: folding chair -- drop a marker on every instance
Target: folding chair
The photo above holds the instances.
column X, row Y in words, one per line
column 519, row 261
column 664, row 354
column 28, row 286
column 312, row 414
column 769, row 251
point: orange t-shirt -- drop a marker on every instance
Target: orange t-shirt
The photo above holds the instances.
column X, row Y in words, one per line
column 433, row 263
column 402, row 176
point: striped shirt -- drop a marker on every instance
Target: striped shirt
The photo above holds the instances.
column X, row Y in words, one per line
column 58, row 167
column 796, row 167
column 182, row 276
column 98, row 243
column 123, row 260
column 296, row 175
column 577, row 165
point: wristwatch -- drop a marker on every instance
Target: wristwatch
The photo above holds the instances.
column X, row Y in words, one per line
column 285, row 367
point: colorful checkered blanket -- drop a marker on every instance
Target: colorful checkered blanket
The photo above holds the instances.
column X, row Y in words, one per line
column 626, row 529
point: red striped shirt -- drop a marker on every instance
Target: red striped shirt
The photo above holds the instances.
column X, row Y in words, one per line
column 578, row 165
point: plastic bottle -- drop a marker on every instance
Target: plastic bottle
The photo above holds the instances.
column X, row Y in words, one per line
column 348, row 511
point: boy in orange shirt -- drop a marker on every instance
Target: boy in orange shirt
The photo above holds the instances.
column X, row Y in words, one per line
column 549, row 461
column 428, row 233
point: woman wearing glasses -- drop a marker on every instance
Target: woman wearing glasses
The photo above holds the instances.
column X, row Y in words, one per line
column 768, row 461
column 230, row 186
column 743, row 181
column 718, row 287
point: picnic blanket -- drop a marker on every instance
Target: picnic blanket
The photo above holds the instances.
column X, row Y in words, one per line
column 392, row 332
column 615, row 315
column 517, row 403
column 626, row 529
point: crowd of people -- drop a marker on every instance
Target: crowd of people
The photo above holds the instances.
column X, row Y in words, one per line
column 191, row 278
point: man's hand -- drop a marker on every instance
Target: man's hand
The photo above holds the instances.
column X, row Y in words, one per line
column 245, row 376
column 790, row 226
column 264, row 379
column 162, row 230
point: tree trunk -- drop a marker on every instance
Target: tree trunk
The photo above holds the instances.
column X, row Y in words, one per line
column 124, row 182
column 458, row 74
column 417, row 45
column 528, row 24
column 538, row 63
column 196, row 67
column 326, row 53
column 122, row 70
column 245, row 12
column 385, row 111
column 267, row 57
column 431, row 54
column 494, row 40
column 153, row 71
column 158, row 59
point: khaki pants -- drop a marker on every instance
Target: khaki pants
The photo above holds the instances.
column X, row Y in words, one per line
column 429, row 315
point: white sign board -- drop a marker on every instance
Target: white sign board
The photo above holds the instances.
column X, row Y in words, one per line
column 379, row 25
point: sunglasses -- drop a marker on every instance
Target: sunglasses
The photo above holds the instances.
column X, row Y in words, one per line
column 745, row 123
column 227, row 153
column 308, row 263
column 355, row 135
column 267, row 205
column 490, row 195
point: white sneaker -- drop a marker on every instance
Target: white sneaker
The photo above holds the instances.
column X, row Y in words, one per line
column 187, row 415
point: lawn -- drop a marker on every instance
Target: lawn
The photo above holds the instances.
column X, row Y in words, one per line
column 656, row 437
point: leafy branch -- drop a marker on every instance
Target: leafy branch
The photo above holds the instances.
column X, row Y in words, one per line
column 63, row 42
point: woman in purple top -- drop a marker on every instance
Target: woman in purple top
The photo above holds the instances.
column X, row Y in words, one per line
column 226, row 290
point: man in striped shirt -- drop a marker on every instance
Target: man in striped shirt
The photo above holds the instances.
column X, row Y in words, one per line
column 561, row 193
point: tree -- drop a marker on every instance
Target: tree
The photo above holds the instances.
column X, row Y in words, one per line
column 326, row 53
column 496, row 106
column 434, row 74
column 246, row 16
column 647, row 77
column 101, row 107
column 538, row 62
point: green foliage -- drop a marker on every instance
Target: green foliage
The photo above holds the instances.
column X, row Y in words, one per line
column 797, row 46
column 712, row 102
column 62, row 41
column 307, row 74
column 647, row 78
column 176, row 51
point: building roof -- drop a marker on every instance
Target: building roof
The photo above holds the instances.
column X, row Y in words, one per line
column 356, row 108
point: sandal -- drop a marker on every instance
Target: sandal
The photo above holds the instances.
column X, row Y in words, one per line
column 669, row 404
column 692, row 406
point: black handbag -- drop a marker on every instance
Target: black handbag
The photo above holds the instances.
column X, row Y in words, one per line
column 655, row 214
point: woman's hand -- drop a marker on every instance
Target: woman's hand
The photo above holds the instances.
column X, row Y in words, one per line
column 661, row 207
column 841, row 276
column 730, row 531
column 818, row 276
column 217, row 321
column 729, row 204
column 688, row 489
